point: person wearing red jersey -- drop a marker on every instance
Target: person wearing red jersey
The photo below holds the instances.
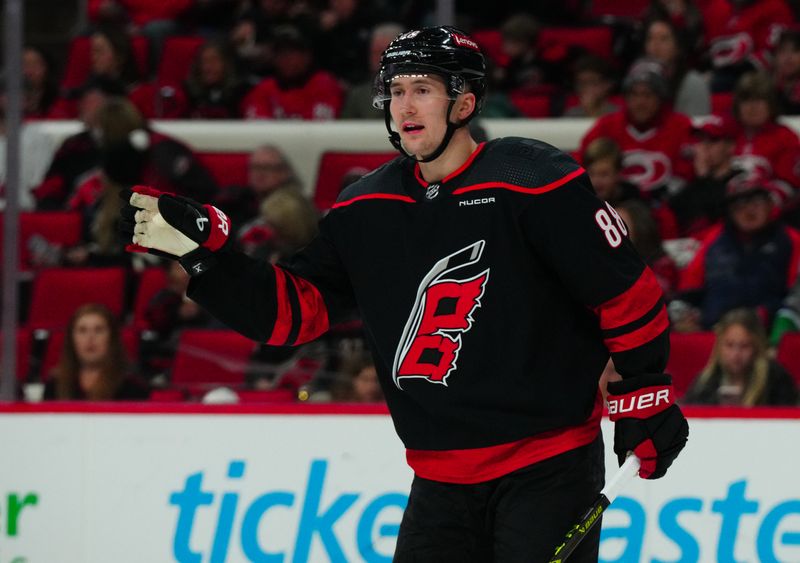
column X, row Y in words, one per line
column 298, row 90
column 742, row 39
column 653, row 138
column 764, row 147
column 493, row 286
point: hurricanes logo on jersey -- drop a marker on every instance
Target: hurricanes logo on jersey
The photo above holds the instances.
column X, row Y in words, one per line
column 442, row 313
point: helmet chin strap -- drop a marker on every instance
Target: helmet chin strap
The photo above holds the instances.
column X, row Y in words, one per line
column 394, row 136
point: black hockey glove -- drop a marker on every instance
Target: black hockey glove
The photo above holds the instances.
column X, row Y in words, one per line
column 174, row 227
column 647, row 422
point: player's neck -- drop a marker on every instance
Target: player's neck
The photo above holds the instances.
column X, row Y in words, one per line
column 458, row 150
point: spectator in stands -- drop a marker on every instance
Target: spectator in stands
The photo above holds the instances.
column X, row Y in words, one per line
column 155, row 19
column 787, row 70
column 268, row 171
column 526, row 69
column 358, row 382
column 764, row 146
column 93, row 365
column 287, row 222
column 344, row 34
column 749, row 261
column 653, row 138
column 358, row 100
column 701, row 203
column 40, row 82
column 155, row 158
column 644, row 234
column 743, row 42
column 740, row 371
column 214, row 89
column 593, row 83
column 602, row 159
column 79, row 153
column 689, row 90
column 297, row 90
column 254, row 33
column 687, row 18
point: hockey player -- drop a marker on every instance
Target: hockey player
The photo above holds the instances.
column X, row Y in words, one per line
column 493, row 285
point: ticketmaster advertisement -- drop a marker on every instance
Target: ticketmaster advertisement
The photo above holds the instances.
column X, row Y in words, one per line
column 96, row 488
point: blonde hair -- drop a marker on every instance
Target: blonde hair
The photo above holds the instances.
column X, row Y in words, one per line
column 756, row 378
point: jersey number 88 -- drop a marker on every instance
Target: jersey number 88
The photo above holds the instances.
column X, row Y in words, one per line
column 614, row 228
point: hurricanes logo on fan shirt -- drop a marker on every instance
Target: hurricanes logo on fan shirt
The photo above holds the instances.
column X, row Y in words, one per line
column 442, row 313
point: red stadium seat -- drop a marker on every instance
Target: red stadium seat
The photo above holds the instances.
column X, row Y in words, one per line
column 151, row 281
column 531, row 104
column 55, row 344
column 62, row 228
column 177, row 58
column 79, row 60
column 491, row 43
column 57, row 292
column 789, row 354
column 597, row 40
column 227, row 168
column 208, row 357
column 334, row 166
column 689, row 354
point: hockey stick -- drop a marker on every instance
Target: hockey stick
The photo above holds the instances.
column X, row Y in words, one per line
column 591, row 517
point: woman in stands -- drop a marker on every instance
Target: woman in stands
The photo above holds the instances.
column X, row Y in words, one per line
column 740, row 372
column 664, row 42
column 214, row 89
column 93, row 365
column 41, row 86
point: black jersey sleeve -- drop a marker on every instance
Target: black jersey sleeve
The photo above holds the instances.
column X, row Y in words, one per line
column 585, row 243
column 286, row 304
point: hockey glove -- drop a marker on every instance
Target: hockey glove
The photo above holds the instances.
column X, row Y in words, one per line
column 174, row 227
column 647, row 422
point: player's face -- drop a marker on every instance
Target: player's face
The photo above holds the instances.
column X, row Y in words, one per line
column 418, row 108
column 91, row 337
column 642, row 104
column 736, row 350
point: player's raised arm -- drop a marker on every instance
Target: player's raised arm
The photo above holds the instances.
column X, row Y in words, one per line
column 278, row 305
column 586, row 243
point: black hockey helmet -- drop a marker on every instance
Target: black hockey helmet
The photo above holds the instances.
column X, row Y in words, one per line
column 443, row 51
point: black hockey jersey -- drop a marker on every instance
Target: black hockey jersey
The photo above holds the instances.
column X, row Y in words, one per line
column 491, row 300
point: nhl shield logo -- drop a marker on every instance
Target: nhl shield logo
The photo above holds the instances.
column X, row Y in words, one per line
column 432, row 191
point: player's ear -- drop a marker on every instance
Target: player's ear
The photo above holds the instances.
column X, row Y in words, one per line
column 465, row 105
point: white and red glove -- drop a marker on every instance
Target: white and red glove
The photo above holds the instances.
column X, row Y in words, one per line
column 647, row 422
column 175, row 227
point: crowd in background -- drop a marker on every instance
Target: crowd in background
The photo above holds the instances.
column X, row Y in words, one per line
column 686, row 144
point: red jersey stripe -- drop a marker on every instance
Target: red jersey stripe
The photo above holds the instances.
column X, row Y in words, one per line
column 640, row 336
column 313, row 312
column 631, row 304
column 514, row 188
column 477, row 465
column 283, row 318
column 459, row 170
column 373, row 196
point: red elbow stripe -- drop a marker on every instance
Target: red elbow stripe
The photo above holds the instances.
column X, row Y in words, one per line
column 283, row 318
column 313, row 312
column 632, row 304
column 640, row 336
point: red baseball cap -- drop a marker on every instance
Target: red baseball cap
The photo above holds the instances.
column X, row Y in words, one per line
column 716, row 126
